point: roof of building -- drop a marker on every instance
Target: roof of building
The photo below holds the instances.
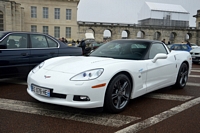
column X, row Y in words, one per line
column 166, row 7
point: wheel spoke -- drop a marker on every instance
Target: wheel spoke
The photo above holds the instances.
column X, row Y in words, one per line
column 185, row 73
column 125, row 97
column 118, row 102
column 124, row 86
column 114, row 96
column 183, row 76
column 181, row 80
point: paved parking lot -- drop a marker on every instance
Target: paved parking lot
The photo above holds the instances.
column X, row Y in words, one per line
column 167, row 110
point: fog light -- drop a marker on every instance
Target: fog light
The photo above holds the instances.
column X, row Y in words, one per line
column 81, row 98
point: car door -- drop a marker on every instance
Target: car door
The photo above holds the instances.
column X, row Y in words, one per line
column 14, row 59
column 161, row 72
column 42, row 48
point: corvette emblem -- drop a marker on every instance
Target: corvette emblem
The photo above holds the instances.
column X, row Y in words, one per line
column 47, row 76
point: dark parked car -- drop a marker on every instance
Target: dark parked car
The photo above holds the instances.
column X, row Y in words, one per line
column 91, row 47
column 22, row 51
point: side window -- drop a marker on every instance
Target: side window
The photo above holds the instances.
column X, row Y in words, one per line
column 16, row 41
column 155, row 49
column 52, row 43
column 38, row 41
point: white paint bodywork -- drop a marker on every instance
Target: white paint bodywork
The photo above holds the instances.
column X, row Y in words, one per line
column 145, row 75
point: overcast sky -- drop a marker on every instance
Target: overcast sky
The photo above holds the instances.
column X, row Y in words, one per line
column 126, row 11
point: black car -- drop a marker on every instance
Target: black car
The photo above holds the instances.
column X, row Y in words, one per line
column 22, row 51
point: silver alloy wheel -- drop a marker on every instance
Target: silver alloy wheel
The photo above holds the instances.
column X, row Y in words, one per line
column 120, row 94
column 183, row 75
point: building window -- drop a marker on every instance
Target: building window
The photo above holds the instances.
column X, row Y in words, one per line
column 68, row 32
column 45, row 29
column 68, row 14
column 45, row 12
column 33, row 28
column 57, row 13
column 33, row 12
column 1, row 21
column 57, row 32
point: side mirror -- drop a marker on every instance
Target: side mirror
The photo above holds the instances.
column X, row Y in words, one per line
column 159, row 56
column 3, row 46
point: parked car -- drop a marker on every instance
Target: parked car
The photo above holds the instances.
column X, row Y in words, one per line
column 195, row 53
column 169, row 45
column 110, row 76
column 22, row 51
column 180, row 47
column 91, row 47
column 193, row 46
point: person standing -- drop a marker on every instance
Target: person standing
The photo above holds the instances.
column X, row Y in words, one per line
column 188, row 43
column 73, row 42
column 169, row 42
column 77, row 41
column 163, row 41
column 82, row 45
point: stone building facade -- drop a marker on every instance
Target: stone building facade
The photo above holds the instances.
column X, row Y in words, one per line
column 54, row 17
column 11, row 16
column 58, row 18
column 197, row 16
column 172, row 34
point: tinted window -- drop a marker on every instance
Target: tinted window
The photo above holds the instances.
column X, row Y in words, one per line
column 184, row 47
column 51, row 43
column 155, row 49
column 123, row 49
column 15, row 41
column 38, row 41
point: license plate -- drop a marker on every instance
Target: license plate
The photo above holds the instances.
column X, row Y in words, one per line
column 40, row 91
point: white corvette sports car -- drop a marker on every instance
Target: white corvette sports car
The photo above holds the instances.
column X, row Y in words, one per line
column 110, row 76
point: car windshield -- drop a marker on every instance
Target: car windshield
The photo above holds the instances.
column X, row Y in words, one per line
column 2, row 34
column 122, row 49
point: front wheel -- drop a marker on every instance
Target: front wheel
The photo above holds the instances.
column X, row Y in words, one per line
column 117, row 94
column 182, row 76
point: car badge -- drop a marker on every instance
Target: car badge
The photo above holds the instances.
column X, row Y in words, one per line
column 47, row 76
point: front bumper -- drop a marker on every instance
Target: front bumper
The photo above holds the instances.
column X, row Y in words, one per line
column 60, row 84
column 195, row 59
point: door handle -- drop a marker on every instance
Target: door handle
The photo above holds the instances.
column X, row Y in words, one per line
column 24, row 54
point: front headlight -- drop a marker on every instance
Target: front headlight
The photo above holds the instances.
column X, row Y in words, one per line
column 88, row 75
column 35, row 69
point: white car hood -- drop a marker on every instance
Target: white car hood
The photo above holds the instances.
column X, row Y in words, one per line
column 197, row 50
column 79, row 64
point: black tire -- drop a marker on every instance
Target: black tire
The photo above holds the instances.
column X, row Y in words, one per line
column 182, row 77
column 117, row 94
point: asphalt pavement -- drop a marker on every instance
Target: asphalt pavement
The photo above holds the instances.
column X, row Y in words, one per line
column 167, row 110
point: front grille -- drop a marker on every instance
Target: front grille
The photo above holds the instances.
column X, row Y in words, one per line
column 57, row 95
column 196, row 53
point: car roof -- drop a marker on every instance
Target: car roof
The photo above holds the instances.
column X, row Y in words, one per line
column 142, row 40
column 21, row 32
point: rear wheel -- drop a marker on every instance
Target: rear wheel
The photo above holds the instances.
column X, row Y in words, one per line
column 182, row 76
column 117, row 94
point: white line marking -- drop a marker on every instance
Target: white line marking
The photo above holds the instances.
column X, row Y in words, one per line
column 194, row 76
column 195, row 70
column 193, row 84
column 169, row 97
column 14, row 81
column 112, row 120
column 160, row 117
